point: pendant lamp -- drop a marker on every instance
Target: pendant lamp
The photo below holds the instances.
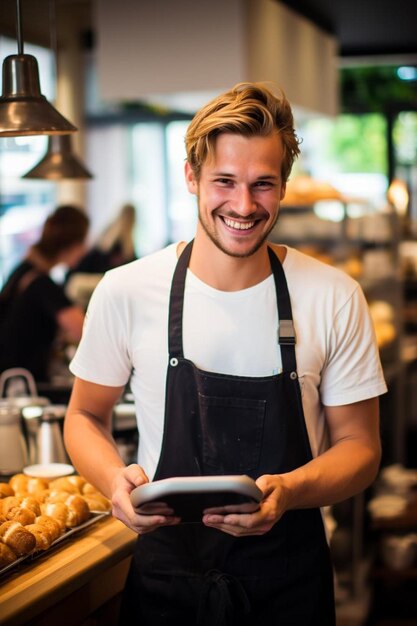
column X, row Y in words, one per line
column 23, row 108
column 59, row 162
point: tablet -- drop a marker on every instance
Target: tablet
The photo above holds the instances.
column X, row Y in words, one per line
column 189, row 497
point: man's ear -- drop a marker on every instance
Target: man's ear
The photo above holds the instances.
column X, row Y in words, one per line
column 283, row 190
column 190, row 178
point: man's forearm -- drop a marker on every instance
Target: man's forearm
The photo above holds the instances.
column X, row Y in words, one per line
column 342, row 471
column 92, row 450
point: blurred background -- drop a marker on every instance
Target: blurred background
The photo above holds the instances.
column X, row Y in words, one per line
column 130, row 75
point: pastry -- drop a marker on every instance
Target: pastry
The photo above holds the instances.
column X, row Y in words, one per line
column 6, row 490
column 57, row 496
column 13, row 509
column 31, row 503
column 63, row 484
column 19, row 483
column 42, row 535
column 97, row 502
column 20, row 540
column 58, row 511
column 54, row 527
column 78, row 481
column 89, row 488
column 36, row 484
column 78, row 511
column 7, row 556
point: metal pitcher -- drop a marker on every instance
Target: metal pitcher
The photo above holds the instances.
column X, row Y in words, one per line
column 49, row 446
column 13, row 448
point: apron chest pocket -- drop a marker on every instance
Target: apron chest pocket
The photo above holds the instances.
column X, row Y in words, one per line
column 232, row 430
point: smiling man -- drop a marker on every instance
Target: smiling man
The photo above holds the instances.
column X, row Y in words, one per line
column 244, row 358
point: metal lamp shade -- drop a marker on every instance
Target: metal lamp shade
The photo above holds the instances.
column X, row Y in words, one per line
column 59, row 162
column 23, row 109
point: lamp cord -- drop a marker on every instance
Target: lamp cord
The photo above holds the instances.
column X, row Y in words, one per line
column 19, row 28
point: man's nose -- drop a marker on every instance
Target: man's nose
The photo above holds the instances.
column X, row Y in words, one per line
column 244, row 203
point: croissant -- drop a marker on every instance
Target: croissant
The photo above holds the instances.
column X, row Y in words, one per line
column 58, row 511
column 7, row 556
column 6, row 490
column 19, row 483
column 88, row 488
column 78, row 481
column 20, row 540
column 42, row 495
column 63, row 484
column 78, row 511
column 97, row 502
column 34, row 485
column 53, row 526
column 12, row 509
column 57, row 496
column 31, row 503
column 42, row 535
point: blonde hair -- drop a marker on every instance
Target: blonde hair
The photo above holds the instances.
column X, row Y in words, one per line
column 248, row 109
column 120, row 232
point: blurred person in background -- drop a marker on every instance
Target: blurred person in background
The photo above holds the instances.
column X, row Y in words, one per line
column 114, row 247
column 34, row 309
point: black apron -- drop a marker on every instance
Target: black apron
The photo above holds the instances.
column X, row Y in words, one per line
column 221, row 424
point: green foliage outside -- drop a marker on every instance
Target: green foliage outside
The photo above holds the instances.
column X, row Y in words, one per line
column 350, row 143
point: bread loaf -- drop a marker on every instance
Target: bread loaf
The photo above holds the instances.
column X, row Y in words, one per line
column 6, row 490
column 7, row 556
column 19, row 483
column 78, row 481
column 22, row 484
column 42, row 535
column 34, row 485
column 63, row 484
column 58, row 511
column 71, row 509
column 12, row 509
column 78, row 511
column 97, row 502
column 54, row 528
column 17, row 537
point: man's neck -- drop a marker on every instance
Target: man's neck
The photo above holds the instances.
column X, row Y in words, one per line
column 228, row 273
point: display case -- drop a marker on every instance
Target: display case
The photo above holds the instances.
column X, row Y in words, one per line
column 363, row 243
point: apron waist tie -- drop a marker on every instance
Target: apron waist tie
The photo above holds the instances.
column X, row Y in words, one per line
column 220, row 594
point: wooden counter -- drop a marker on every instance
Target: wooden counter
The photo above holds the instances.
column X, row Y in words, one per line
column 70, row 585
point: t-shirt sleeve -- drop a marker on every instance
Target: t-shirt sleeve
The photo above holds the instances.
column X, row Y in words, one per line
column 353, row 369
column 102, row 356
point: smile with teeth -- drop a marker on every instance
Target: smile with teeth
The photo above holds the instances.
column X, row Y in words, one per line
column 238, row 225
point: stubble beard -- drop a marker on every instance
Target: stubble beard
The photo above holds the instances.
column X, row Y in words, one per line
column 213, row 237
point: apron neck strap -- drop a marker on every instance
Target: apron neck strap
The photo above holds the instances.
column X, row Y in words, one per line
column 286, row 334
column 176, row 303
column 286, row 331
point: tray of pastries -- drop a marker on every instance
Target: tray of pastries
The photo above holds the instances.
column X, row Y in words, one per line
column 37, row 514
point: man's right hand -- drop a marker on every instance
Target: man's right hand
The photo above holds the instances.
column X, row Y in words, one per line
column 125, row 480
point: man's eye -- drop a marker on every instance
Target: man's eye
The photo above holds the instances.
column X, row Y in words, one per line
column 224, row 181
column 263, row 184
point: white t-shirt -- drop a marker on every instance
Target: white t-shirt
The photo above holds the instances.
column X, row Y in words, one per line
column 126, row 336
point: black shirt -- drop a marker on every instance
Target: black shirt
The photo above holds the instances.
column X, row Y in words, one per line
column 29, row 303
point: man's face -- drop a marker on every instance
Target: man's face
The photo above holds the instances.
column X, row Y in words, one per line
column 239, row 192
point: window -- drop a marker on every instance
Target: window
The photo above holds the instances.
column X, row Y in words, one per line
column 24, row 204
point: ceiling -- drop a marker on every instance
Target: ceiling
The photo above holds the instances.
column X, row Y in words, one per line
column 365, row 27
column 362, row 27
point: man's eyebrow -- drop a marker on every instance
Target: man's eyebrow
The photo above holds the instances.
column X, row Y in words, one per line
column 224, row 174
column 261, row 177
